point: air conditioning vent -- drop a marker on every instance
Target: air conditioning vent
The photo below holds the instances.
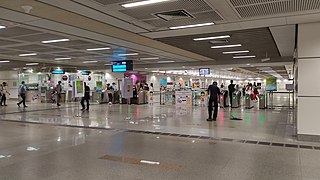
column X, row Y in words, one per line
column 174, row 15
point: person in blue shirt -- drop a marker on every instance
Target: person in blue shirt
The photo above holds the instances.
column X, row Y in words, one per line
column 22, row 93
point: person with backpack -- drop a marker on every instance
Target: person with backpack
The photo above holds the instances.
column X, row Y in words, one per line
column 22, row 93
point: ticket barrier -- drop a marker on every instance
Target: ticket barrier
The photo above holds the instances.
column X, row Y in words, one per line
column 236, row 97
column 262, row 101
column 224, row 99
column 248, row 102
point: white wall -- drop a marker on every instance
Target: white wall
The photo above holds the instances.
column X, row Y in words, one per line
column 11, row 77
column 309, row 74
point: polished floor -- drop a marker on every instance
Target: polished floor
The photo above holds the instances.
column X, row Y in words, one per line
column 151, row 142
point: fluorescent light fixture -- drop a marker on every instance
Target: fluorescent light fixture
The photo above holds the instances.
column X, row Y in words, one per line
column 4, row 61
column 55, row 41
column 236, row 52
column 2, row 27
column 149, row 162
column 29, row 54
column 166, row 61
column 226, row 46
column 243, row 57
column 191, row 26
column 150, row 58
column 32, row 64
column 211, row 38
column 87, row 62
column 130, row 54
column 107, row 64
column 57, row 59
column 98, row 49
column 248, row 65
column 142, row 3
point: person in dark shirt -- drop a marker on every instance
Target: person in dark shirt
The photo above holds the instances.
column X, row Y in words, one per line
column 214, row 93
column 86, row 97
column 231, row 89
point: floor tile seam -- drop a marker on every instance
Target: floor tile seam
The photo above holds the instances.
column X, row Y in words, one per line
column 246, row 141
column 47, row 109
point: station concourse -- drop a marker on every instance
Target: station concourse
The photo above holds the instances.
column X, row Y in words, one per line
column 146, row 68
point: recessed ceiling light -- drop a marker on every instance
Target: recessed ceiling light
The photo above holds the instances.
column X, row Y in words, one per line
column 236, row 52
column 98, row 49
column 2, row 27
column 191, row 26
column 32, row 64
column 87, row 62
column 57, row 59
column 4, row 61
column 130, row 54
column 165, row 61
column 226, row 46
column 248, row 64
column 211, row 38
column 55, row 41
column 243, row 57
column 150, row 58
column 29, row 54
column 142, row 3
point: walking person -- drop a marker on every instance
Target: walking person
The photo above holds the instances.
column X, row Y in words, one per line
column 4, row 92
column 231, row 89
column 86, row 97
column 214, row 93
column 22, row 93
column 59, row 90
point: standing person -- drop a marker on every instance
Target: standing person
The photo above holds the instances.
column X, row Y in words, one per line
column 231, row 89
column 22, row 93
column 4, row 92
column 110, row 93
column 214, row 92
column 86, row 97
column 0, row 92
column 59, row 90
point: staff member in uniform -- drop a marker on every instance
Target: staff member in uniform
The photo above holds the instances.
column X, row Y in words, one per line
column 231, row 89
column 214, row 93
column 86, row 97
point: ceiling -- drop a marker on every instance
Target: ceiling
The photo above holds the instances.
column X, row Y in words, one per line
column 265, row 27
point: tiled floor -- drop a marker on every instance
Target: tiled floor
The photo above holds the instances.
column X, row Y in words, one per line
column 116, row 142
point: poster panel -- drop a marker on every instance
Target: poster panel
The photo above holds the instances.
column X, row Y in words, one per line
column 127, row 88
column 79, row 88
column 271, row 84
column 183, row 98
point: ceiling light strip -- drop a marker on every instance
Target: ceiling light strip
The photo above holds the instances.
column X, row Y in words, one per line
column 98, row 49
column 32, row 64
column 142, row 3
column 166, row 61
column 55, row 41
column 150, row 58
column 57, row 59
column 130, row 54
column 236, row 52
column 87, row 62
column 4, row 61
column 226, row 46
column 243, row 57
column 211, row 38
column 29, row 54
column 191, row 26
column 2, row 27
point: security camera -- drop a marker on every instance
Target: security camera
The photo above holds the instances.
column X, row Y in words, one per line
column 27, row 8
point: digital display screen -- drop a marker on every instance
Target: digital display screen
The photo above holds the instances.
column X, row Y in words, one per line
column 84, row 72
column 122, row 66
column 58, row 71
column 204, row 71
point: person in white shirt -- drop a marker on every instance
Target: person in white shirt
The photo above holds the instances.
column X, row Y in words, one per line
column 4, row 92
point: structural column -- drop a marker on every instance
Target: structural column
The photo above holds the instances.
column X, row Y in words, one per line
column 308, row 118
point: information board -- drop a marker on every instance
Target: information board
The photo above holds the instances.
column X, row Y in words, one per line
column 79, row 88
column 127, row 88
column 183, row 98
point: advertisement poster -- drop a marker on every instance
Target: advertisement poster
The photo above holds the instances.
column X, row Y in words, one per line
column 127, row 88
column 163, row 82
column 183, row 98
column 271, row 84
column 79, row 88
column 196, row 83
